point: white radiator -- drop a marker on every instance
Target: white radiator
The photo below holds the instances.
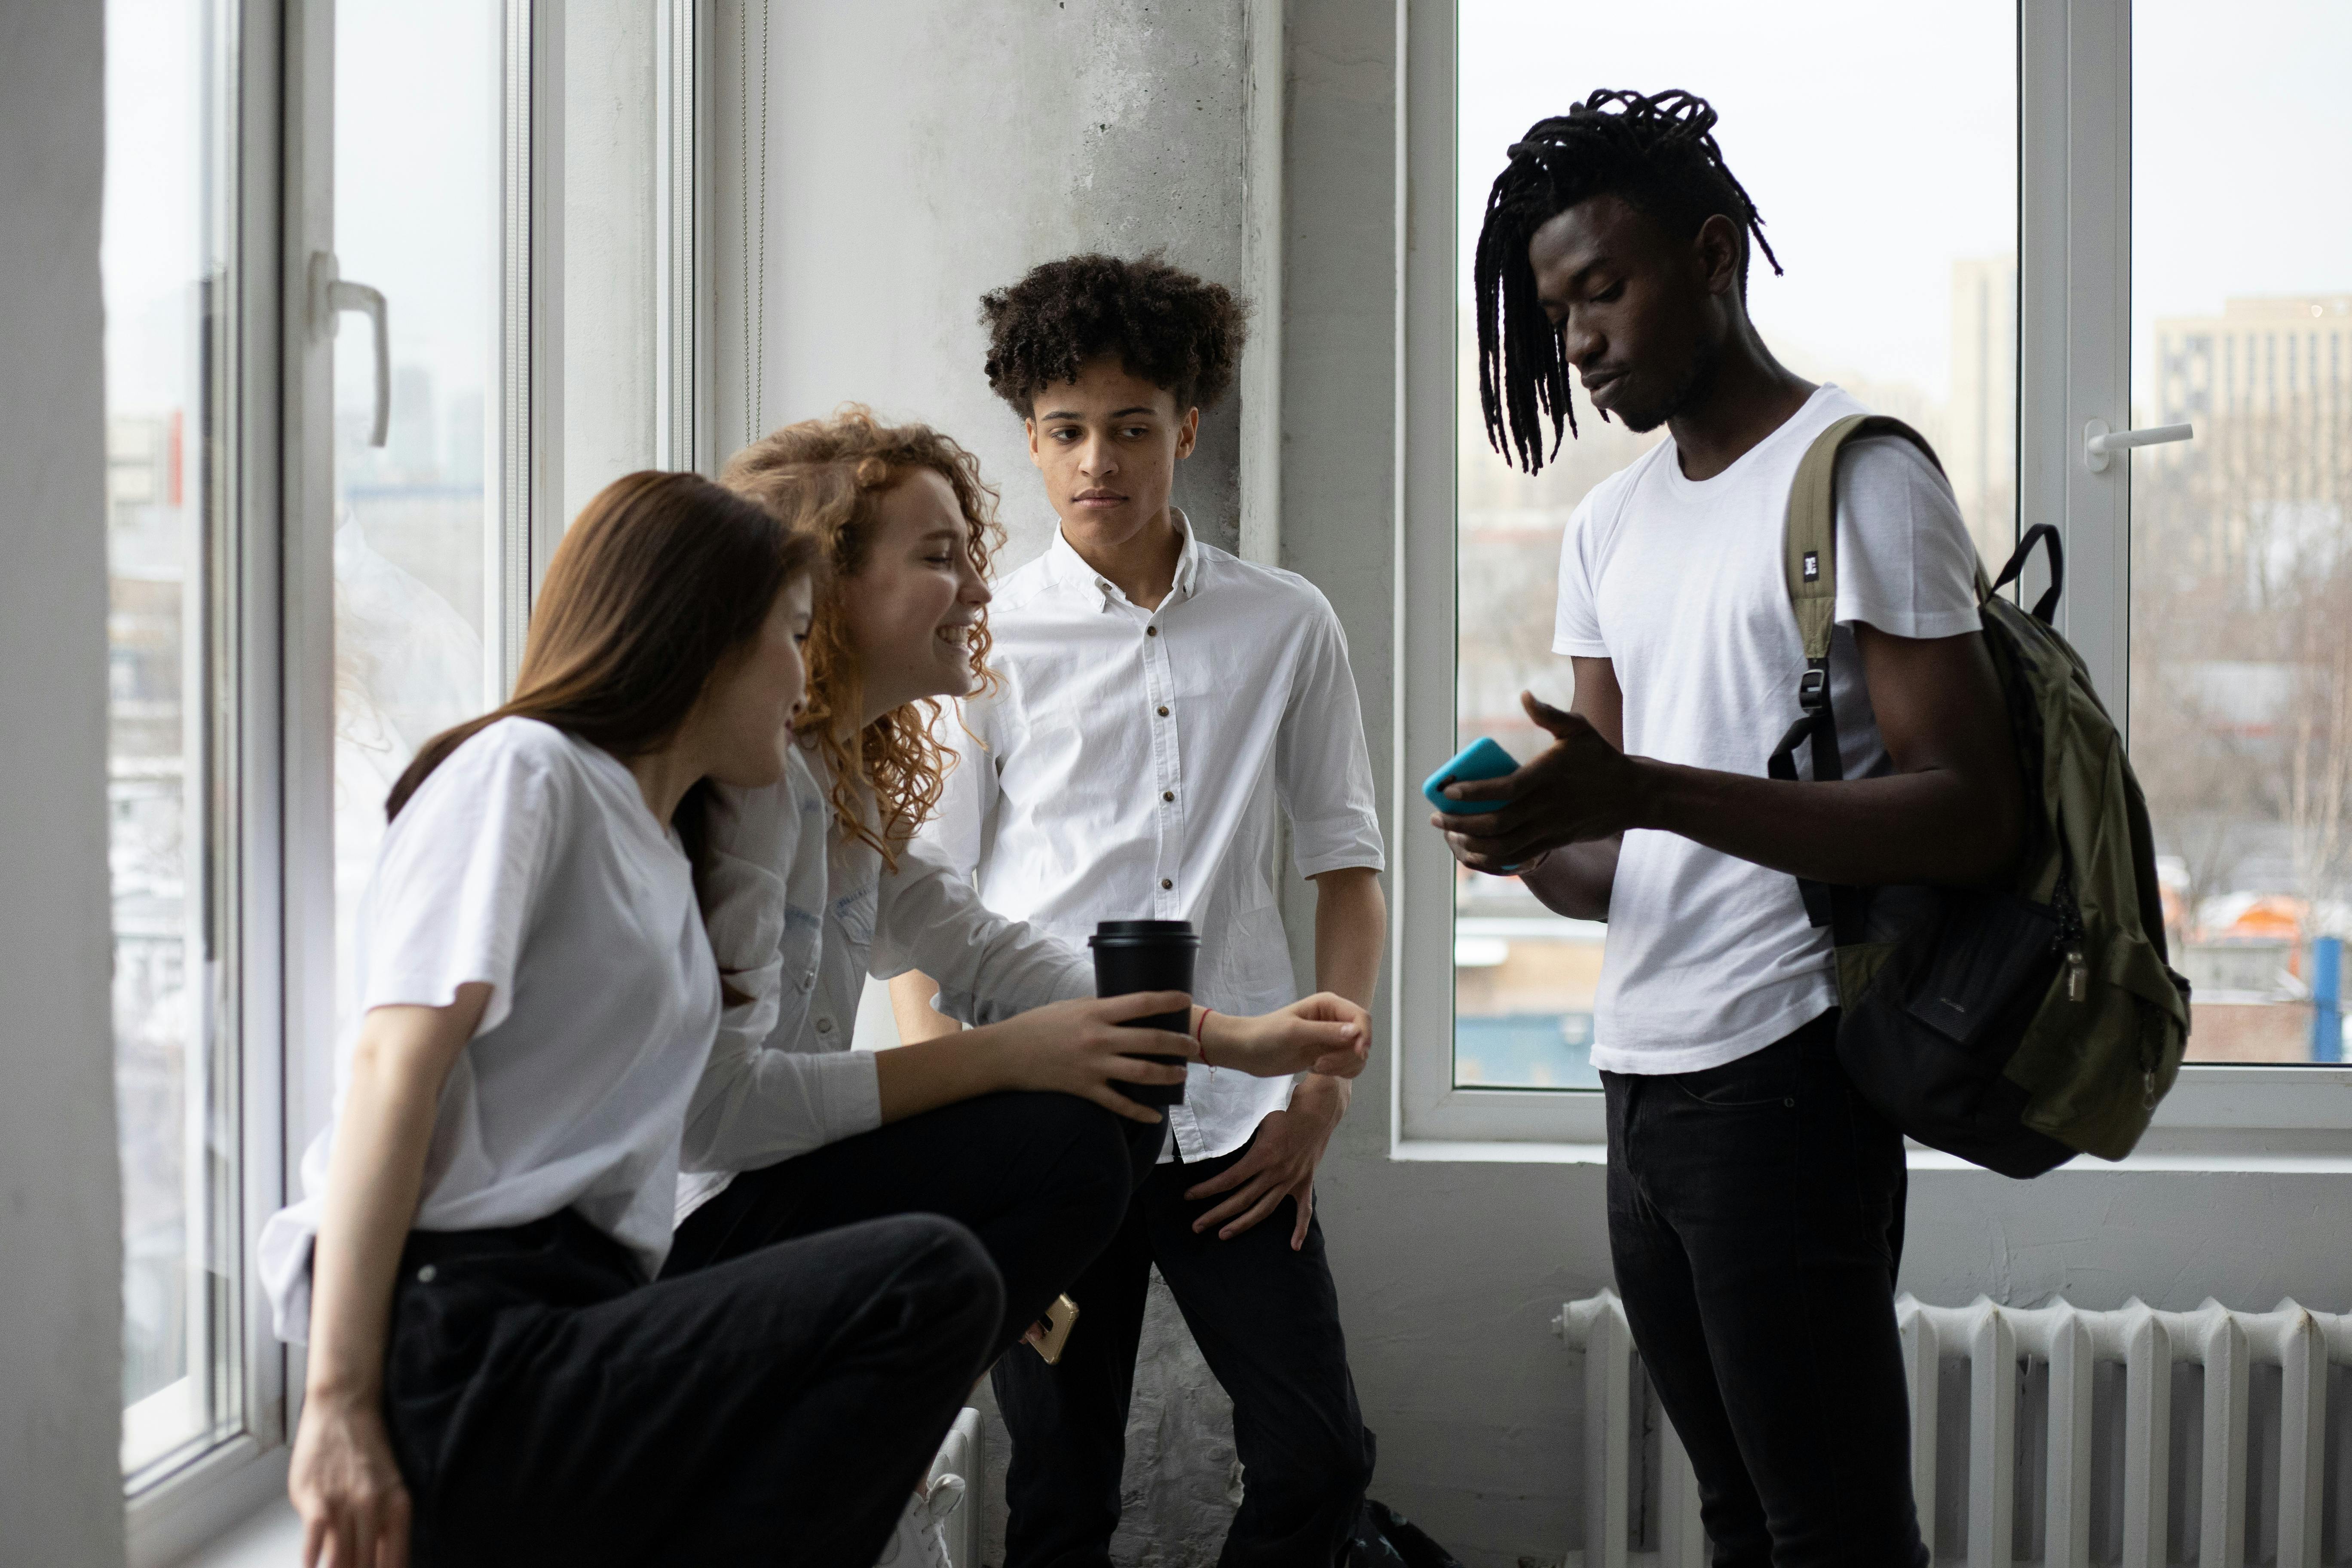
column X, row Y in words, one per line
column 1632, row 1497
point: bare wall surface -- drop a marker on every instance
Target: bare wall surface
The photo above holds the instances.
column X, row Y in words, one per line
column 922, row 152
column 60, row 1291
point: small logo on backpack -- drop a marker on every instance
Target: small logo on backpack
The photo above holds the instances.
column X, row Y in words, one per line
column 1812, row 567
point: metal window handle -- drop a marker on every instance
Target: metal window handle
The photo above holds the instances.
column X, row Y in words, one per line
column 2099, row 443
column 331, row 295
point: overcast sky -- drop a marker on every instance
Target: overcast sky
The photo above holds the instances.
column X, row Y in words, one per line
column 416, row 161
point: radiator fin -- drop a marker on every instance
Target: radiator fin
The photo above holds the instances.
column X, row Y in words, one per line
column 1998, row 1342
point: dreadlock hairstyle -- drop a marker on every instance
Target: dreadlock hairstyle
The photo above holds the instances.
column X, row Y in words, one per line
column 1657, row 154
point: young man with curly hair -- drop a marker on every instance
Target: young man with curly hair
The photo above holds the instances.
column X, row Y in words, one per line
column 1157, row 697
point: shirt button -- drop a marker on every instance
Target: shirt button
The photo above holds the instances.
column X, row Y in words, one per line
column 426, row 1275
column 1168, row 795
column 1165, row 884
column 1151, row 631
column 1163, row 712
column 824, row 1026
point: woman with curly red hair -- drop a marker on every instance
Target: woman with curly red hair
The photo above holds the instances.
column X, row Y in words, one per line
column 1017, row 1126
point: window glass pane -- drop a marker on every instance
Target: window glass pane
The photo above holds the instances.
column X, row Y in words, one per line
column 2241, row 555
column 1880, row 143
column 609, row 234
column 417, row 98
column 165, row 266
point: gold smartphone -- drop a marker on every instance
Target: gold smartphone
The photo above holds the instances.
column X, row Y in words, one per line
column 1059, row 1319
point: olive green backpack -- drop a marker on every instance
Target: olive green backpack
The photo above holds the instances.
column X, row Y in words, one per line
column 2019, row 1027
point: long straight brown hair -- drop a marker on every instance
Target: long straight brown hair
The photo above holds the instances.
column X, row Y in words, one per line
column 659, row 580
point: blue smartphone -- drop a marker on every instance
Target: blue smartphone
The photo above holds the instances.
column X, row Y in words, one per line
column 1481, row 759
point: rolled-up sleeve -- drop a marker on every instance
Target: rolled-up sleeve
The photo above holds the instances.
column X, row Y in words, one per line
column 1322, row 771
column 929, row 916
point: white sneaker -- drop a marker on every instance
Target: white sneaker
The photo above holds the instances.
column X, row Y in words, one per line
column 920, row 1541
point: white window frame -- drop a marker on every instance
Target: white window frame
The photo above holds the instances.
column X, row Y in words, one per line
column 191, row 1492
column 279, row 602
column 2074, row 365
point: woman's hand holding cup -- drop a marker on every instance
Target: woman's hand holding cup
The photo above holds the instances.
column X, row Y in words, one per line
column 1088, row 1050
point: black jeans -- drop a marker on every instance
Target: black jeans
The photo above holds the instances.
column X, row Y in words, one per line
column 1756, row 1220
column 547, row 1405
column 1267, row 1322
column 1041, row 1179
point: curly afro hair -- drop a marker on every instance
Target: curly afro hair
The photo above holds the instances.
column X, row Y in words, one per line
column 1178, row 331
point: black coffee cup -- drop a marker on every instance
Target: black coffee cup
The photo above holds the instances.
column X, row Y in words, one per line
column 1148, row 955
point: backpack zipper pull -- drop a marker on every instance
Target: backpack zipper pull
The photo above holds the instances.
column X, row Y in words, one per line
column 2078, row 975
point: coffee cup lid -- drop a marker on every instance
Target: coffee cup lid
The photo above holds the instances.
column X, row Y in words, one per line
column 1143, row 930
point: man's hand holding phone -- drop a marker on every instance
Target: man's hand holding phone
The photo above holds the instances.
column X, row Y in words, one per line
column 1579, row 788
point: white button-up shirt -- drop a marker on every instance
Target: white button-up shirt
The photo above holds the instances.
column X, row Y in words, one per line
column 1128, row 765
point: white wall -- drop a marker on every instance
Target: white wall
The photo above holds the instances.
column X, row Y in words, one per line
column 922, row 152
column 60, row 1253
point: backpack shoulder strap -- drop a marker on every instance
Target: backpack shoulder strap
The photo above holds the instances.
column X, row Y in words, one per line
column 1809, row 559
column 1809, row 564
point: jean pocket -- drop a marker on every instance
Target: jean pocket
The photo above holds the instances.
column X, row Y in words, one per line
column 1765, row 1080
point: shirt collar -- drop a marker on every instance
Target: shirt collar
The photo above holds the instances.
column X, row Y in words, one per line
column 1070, row 568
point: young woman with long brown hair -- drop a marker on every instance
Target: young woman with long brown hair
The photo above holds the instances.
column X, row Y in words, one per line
column 493, row 1375
column 1015, row 1127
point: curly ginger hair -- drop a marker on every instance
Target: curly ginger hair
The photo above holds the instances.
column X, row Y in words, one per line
column 825, row 479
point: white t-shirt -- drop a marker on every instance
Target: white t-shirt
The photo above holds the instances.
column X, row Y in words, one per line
column 1678, row 585
column 1129, row 764
column 527, row 860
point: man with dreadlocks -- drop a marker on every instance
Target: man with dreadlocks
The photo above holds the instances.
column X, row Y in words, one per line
column 1755, row 1201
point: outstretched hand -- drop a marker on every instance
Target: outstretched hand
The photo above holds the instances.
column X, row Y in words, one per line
column 1576, row 789
column 1325, row 1033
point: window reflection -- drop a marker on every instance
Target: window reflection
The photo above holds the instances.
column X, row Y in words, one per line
column 2242, row 539
column 164, row 262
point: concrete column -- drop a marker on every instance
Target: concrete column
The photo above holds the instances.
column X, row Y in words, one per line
column 60, row 1203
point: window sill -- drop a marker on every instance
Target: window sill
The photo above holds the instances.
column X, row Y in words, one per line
column 184, row 1519
column 269, row 1537
column 1498, row 1152
column 2219, row 1151
column 2213, row 1150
